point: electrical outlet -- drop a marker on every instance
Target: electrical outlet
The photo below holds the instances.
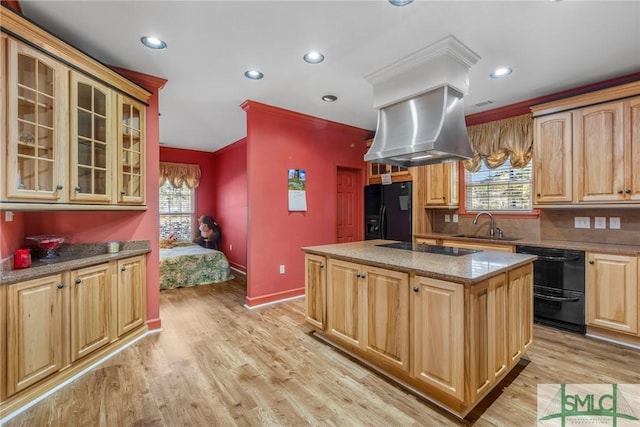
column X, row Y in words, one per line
column 582, row 222
column 455, row 217
column 447, row 218
column 614, row 223
column 600, row 222
column 282, row 269
column 8, row 216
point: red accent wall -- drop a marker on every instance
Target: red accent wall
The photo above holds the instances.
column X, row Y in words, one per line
column 278, row 140
column 205, row 194
column 230, row 176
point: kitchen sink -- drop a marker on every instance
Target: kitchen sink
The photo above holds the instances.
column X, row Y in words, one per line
column 502, row 239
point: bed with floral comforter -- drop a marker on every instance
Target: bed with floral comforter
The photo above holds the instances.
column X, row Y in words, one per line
column 192, row 265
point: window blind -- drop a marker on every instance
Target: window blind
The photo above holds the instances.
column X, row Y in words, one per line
column 501, row 189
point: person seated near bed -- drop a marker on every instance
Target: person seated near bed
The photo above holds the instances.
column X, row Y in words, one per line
column 209, row 233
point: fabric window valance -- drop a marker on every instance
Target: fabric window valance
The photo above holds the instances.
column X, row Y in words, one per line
column 178, row 173
column 495, row 142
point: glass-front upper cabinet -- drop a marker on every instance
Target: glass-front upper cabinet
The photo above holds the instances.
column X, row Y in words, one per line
column 36, row 125
column 131, row 149
column 92, row 140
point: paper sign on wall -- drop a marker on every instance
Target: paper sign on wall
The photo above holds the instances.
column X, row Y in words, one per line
column 297, row 190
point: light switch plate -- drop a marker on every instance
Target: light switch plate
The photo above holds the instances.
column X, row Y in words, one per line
column 582, row 222
column 447, row 218
column 455, row 217
column 614, row 223
column 600, row 222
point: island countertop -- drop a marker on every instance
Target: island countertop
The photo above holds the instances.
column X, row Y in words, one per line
column 466, row 269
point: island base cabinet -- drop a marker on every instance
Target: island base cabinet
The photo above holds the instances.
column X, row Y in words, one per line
column 520, row 311
column 438, row 330
column 451, row 343
column 315, row 288
column 368, row 310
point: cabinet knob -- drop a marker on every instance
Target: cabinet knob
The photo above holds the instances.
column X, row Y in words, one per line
column 77, row 188
column 59, row 187
column 122, row 192
column 620, row 191
column 591, row 262
column 538, row 194
column 322, row 265
column 628, row 191
column 358, row 275
column 416, row 289
column 123, row 269
column 363, row 276
column 60, row 286
column 78, row 281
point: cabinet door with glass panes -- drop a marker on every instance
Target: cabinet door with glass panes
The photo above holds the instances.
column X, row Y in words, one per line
column 131, row 151
column 36, row 148
column 92, row 140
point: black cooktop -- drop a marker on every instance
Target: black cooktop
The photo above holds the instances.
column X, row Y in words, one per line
column 433, row 249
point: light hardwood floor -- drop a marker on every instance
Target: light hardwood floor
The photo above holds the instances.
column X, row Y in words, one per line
column 218, row 364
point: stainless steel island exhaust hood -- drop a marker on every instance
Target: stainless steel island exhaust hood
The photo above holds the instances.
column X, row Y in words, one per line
column 421, row 110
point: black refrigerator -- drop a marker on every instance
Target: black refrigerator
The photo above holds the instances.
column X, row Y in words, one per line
column 388, row 211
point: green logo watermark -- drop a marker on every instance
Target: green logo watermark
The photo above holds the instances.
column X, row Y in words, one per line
column 588, row 404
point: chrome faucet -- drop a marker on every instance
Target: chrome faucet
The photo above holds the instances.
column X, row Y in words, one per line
column 492, row 225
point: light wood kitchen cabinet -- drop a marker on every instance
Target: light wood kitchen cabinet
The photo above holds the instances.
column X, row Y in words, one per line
column 599, row 154
column 442, row 185
column 632, row 131
column 601, row 131
column 553, row 158
column 612, row 292
column 90, row 309
column 425, row 241
column 438, row 335
column 53, row 327
column 131, row 294
column 315, row 285
column 487, row 327
column 519, row 311
column 93, row 142
column 36, row 148
column 451, row 342
column 376, row 170
column 368, row 309
column 75, row 137
column 481, row 246
column 35, row 321
column 131, row 150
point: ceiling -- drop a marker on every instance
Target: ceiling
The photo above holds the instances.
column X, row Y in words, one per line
column 551, row 46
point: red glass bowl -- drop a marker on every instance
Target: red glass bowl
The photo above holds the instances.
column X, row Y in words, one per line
column 49, row 243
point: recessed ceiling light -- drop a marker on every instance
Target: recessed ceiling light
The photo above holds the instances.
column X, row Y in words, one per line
column 329, row 98
column 313, row 57
column 500, row 72
column 253, row 74
column 153, row 43
column 400, row 2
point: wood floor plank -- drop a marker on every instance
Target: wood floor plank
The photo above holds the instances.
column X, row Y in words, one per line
column 218, row 364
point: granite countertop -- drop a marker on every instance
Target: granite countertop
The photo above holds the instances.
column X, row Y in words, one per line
column 467, row 269
column 71, row 257
column 560, row 244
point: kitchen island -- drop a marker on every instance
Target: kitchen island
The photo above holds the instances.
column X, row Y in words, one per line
column 447, row 325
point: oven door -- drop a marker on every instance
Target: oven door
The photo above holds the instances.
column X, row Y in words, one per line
column 560, row 308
